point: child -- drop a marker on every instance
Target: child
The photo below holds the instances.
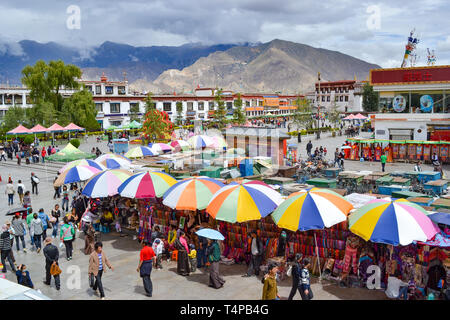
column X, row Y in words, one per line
column 193, row 257
column 158, row 249
column 305, row 288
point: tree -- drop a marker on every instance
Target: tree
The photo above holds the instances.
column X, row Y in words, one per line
column 149, row 103
column 79, row 109
column 238, row 115
column 46, row 80
column 42, row 112
column 220, row 111
column 157, row 125
column 334, row 115
column 179, row 118
column 302, row 116
column 370, row 99
column 14, row 116
column 134, row 112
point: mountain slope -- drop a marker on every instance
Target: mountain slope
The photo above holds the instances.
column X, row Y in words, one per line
column 274, row 66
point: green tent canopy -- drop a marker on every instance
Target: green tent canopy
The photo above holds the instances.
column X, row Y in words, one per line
column 70, row 153
column 135, row 125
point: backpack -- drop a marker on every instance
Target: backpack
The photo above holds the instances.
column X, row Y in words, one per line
column 19, row 190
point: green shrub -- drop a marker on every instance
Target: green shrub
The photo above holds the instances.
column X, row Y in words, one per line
column 75, row 142
column 29, row 139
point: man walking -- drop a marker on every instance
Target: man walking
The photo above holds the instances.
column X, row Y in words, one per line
column 296, row 269
column 36, row 230
column 309, row 147
column 10, row 192
column 97, row 260
column 201, row 252
column 336, row 158
column 20, row 191
column 383, row 159
column 256, row 252
column 51, row 254
column 144, row 268
column 34, row 183
column 5, row 247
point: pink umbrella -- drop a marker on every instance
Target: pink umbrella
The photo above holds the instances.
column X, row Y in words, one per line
column 19, row 130
column 55, row 128
column 38, row 129
column 359, row 116
column 73, row 127
column 350, row 117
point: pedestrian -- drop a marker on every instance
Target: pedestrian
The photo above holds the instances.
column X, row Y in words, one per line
column 51, row 254
column 337, row 159
column 67, row 235
column 417, row 167
column 45, row 222
column 158, row 247
column 65, row 199
column 341, row 160
column 182, row 258
column 56, row 214
column 23, row 277
column 325, row 151
column 89, row 239
column 19, row 226
column 5, row 247
column 3, row 157
column 36, row 230
column 147, row 255
column 43, row 154
column 270, row 289
column 10, row 192
column 213, row 252
column 57, row 189
column 19, row 160
column 383, row 159
column 305, row 288
column 34, row 183
column 309, row 147
column 20, row 191
column 97, row 261
column 27, row 200
column 296, row 268
column 193, row 257
column 201, row 252
column 256, row 250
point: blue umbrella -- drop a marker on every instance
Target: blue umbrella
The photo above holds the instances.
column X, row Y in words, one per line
column 440, row 217
column 210, row 234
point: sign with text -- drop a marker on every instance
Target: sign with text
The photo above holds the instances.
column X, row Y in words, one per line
column 439, row 74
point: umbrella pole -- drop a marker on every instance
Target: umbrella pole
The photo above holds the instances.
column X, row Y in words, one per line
column 318, row 258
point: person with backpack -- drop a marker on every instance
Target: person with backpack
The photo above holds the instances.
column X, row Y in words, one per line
column 295, row 272
column 20, row 191
column 34, row 184
column 19, row 226
column 304, row 285
column 36, row 231
column 10, row 192
column 67, row 235
column 45, row 222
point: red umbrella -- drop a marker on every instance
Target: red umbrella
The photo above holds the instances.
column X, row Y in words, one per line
column 19, row 130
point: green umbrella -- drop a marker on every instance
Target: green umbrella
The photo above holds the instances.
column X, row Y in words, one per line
column 112, row 127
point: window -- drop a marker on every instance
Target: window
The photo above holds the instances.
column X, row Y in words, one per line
column 28, row 100
column 201, row 116
column 121, row 90
column 229, row 105
column 2, row 113
column 99, row 107
column 201, row 106
column 341, row 98
column 8, row 98
column 109, row 89
column 115, row 107
column 89, row 88
column 328, row 98
column 211, row 105
column 247, row 103
column 116, row 123
column 190, row 106
column 17, row 99
column 167, row 106
column 323, row 98
column 260, row 103
column 98, row 89
column 346, row 98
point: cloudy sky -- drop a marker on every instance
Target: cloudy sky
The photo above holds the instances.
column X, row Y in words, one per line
column 374, row 31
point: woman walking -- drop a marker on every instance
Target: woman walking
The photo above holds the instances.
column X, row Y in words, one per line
column 67, row 235
column 19, row 226
column 97, row 261
column 146, row 259
column 10, row 192
column 296, row 269
column 37, row 230
column 213, row 254
column 270, row 289
column 27, row 200
column 305, row 288
column 182, row 259
column 56, row 214
column 65, row 199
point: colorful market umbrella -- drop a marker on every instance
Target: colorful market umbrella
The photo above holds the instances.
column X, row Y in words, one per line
column 180, row 145
column 111, row 156
column 247, row 181
column 210, row 234
column 191, row 193
column 243, row 202
column 117, row 163
column 392, row 222
column 311, row 209
column 219, row 143
column 76, row 174
column 106, row 183
column 160, row 147
column 200, row 141
column 82, row 162
column 148, row 184
column 140, row 152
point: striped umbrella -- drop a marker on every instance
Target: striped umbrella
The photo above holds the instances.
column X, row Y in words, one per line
column 398, row 222
column 82, row 162
column 219, row 143
column 111, row 156
column 76, row 174
column 311, row 209
column 239, row 203
column 180, row 145
column 247, row 181
column 200, row 141
column 116, row 163
column 160, row 147
column 140, row 152
column 191, row 193
column 106, row 183
column 149, row 184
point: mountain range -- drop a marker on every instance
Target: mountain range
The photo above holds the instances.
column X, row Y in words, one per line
column 277, row 65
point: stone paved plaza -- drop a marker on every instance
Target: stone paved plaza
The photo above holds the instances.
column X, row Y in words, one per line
column 123, row 252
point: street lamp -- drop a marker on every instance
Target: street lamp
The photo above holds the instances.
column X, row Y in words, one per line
column 318, row 110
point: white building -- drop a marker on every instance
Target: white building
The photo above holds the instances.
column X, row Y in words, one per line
column 347, row 94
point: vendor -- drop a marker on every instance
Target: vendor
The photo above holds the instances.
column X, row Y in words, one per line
column 107, row 218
